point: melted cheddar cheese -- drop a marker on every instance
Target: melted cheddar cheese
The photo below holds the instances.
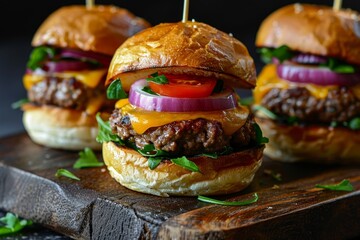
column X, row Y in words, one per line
column 95, row 104
column 268, row 79
column 89, row 78
column 141, row 120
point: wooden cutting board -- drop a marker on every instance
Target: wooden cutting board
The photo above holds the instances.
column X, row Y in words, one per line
column 97, row 207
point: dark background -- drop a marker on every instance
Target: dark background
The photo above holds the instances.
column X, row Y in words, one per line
column 20, row 19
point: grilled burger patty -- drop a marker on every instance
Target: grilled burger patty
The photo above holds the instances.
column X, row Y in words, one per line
column 67, row 93
column 340, row 105
column 187, row 137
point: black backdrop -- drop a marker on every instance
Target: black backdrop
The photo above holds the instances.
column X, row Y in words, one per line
column 20, row 19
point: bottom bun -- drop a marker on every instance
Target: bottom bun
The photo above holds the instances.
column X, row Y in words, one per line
column 315, row 144
column 226, row 174
column 61, row 128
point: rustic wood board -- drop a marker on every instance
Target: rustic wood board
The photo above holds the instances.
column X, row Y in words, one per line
column 99, row 208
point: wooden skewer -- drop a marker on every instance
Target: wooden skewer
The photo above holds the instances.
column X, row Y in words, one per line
column 185, row 10
column 337, row 5
column 89, row 3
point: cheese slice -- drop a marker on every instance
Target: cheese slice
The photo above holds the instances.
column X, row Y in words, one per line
column 95, row 104
column 141, row 120
column 89, row 78
column 268, row 79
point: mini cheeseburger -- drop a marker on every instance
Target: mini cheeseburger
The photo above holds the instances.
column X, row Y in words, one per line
column 308, row 95
column 179, row 129
column 66, row 73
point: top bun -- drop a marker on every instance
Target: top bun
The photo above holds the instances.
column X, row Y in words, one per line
column 313, row 29
column 99, row 29
column 192, row 48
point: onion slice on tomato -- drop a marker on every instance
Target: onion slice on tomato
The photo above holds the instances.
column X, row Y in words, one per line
column 150, row 102
column 316, row 75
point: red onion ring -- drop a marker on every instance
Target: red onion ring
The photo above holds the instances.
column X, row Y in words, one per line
column 150, row 102
column 61, row 66
column 77, row 54
column 308, row 59
column 316, row 75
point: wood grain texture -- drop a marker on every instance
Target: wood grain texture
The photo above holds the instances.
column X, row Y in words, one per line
column 97, row 207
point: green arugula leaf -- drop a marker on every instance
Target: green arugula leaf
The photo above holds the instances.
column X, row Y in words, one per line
column 185, row 163
column 159, row 79
column 156, row 156
column 19, row 103
column 265, row 111
column 104, row 133
column 150, row 151
column 354, row 124
column 260, row 139
column 210, row 155
column 281, row 53
column 149, row 90
column 338, row 66
column 38, row 55
column 11, row 223
column 87, row 159
column 115, row 90
column 66, row 173
column 344, row 185
column 229, row 203
column 153, row 162
column 246, row 101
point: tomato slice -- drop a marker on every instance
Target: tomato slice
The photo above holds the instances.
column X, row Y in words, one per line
column 182, row 86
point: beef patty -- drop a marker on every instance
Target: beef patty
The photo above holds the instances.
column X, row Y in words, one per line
column 340, row 105
column 66, row 93
column 187, row 137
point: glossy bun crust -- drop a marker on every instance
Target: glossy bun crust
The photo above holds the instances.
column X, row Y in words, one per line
column 99, row 29
column 313, row 29
column 313, row 144
column 191, row 48
column 224, row 175
column 61, row 128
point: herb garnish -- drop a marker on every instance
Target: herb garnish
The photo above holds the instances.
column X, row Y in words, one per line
column 354, row 124
column 156, row 156
column 248, row 101
column 159, row 79
column 115, row 90
column 344, row 185
column 19, row 103
column 229, row 203
column 66, row 173
column 265, row 111
column 338, row 66
column 38, row 55
column 11, row 223
column 260, row 139
column 147, row 89
column 105, row 134
column 87, row 159
column 185, row 163
column 281, row 53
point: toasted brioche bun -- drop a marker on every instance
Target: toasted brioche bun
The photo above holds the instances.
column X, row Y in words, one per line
column 191, row 48
column 99, row 29
column 315, row 144
column 60, row 128
column 226, row 174
column 313, row 29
